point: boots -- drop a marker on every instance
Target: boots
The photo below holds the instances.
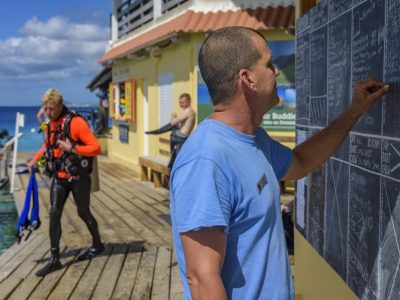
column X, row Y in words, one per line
column 92, row 252
column 53, row 265
column 165, row 128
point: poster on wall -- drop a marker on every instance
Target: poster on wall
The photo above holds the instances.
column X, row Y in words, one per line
column 283, row 116
column 123, row 133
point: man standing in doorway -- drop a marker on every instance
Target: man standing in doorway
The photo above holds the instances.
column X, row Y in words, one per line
column 181, row 126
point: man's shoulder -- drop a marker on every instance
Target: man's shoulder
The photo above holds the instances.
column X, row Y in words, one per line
column 203, row 142
column 77, row 121
column 190, row 111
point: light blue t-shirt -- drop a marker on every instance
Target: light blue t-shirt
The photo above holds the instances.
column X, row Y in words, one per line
column 223, row 177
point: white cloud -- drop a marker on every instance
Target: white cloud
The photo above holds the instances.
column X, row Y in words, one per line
column 55, row 48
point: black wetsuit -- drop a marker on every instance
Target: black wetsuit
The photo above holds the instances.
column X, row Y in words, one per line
column 176, row 143
column 176, row 140
column 60, row 189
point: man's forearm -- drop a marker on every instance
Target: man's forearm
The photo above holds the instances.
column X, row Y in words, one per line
column 317, row 149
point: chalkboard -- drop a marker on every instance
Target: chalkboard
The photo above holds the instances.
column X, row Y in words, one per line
column 349, row 208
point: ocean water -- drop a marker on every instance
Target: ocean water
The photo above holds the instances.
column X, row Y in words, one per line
column 8, row 225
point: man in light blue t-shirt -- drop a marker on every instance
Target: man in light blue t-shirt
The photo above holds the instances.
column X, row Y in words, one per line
column 225, row 209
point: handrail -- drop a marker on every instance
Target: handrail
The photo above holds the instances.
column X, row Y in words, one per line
column 9, row 143
column 5, row 157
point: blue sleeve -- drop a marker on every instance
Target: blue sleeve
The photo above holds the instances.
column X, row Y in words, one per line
column 279, row 156
column 200, row 196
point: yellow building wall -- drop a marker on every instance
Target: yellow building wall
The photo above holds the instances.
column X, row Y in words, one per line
column 314, row 279
column 179, row 59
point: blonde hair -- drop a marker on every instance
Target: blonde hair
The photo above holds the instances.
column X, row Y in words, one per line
column 53, row 96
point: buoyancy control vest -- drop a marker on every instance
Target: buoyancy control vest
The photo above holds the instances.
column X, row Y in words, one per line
column 71, row 163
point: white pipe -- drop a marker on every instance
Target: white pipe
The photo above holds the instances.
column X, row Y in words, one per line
column 19, row 122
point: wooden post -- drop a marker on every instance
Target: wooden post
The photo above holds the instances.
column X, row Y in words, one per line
column 144, row 176
column 156, row 178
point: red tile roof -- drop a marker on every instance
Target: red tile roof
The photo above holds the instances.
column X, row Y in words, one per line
column 260, row 19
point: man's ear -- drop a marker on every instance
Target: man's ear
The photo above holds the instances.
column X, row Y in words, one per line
column 246, row 78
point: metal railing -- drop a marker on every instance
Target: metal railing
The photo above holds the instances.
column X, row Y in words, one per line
column 133, row 14
column 168, row 5
column 5, row 160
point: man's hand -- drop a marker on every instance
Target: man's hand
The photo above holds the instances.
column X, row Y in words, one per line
column 32, row 163
column 65, row 145
column 317, row 149
column 366, row 93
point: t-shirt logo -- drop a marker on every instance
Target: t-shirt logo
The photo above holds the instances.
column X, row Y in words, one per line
column 261, row 183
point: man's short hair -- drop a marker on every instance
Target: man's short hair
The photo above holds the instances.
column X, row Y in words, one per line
column 223, row 53
column 52, row 96
column 185, row 95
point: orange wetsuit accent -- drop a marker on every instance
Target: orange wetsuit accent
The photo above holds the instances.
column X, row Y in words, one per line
column 79, row 131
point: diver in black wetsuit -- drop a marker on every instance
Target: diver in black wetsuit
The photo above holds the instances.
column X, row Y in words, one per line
column 69, row 149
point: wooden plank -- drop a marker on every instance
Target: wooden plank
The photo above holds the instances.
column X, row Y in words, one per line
column 144, row 278
column 130, row 228
column 12, row 264
column 176, row 289
column 109, row 277
column 28, row 286
column 134, row 208
column 9, row 287
column 160, row 290
column 15, row 249
column 127, row 277
column 108, row 224
column 46, row 286
column 135, row 189
column 69, row 281
column 12, row 282
column 88, row 282
column 124, row 175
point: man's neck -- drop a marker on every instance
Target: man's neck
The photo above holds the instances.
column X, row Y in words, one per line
column 237, row 115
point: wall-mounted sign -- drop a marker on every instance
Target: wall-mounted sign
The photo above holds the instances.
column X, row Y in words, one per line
column 123, row 132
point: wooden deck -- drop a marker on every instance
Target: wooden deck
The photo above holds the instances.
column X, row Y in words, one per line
column 138, row 262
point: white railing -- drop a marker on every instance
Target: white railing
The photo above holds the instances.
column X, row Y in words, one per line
column 5, row 156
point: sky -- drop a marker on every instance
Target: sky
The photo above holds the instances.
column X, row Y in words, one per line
column 51, row 44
